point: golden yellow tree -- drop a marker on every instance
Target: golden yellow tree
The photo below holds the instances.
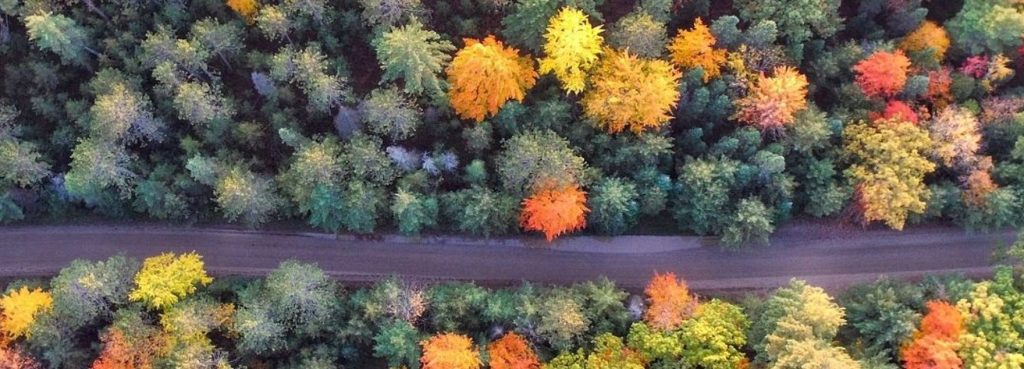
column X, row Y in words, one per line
column 929, row 36
column 888, row 169
column 695, row 48
column 166, row 279
column 449, row 351
column 19, row 309
column 572, row 46
column 486, row 74
column 772, row 102
column 247, row 9
column 629, row 92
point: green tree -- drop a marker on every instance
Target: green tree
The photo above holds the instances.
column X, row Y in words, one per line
column 364, row 159
column 413, row 212
column 199, row 104
column 60, row 35
column 882, row 315
column 614, row 206
column 702, row 205
column 242, row 194
column 123, row 114
column 639, row 33
column 796, row 327
column 389, row 13
column 390, row 114
column 20, row 164
column 87, row 292
column 362, row 206
column 536, row 160
column 302, row 298
column 481, row 211
column 751, row 222
column 308, row 68
column 655, row 345
column 604, row 305
column 562, row 321
column 456, row 306
column 398, row 343
column 993, row 26
column 798, row 21
column 95, row 167
column 416, row 56
column 992, row 319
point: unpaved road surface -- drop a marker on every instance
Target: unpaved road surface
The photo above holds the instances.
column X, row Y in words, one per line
column 830, row 257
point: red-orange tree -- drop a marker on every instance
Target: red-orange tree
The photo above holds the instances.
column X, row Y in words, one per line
column 122, row 352
column 669, row 300
column 934, row 345
column 883, row 74
column 14, row 358
column 486, row 74
column 555, row 211
column 449, row 351
column 512, row 352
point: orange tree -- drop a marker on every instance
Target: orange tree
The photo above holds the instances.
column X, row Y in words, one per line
column 695, row 48
column 929, row 37
column 772, row 102
column 882, row 74
column 935, row 344
column 555, row 211
column 670, row 302
column 630, row 92
column 486, row 74
column 449, row 351
column 511, row 351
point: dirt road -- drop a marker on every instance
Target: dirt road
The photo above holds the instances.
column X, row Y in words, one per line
column 828, row 257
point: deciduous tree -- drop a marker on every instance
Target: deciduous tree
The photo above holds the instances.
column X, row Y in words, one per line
column 414, row 55
column 669, row 302
column 166, row 279
column 60, row 35
column 555, row 211
column 512, row 351
column 929, row 37
column 882, row 74
column 242, row 194
column 572, row 46
column 772, row 102
column 449, row 351
column 20, row 307
column 486, row 74
column 695, row 48
column 247, row 9
column 614, row 206
column 993, row 26
column 639, row 33
column 533, row 161
column 629, row 92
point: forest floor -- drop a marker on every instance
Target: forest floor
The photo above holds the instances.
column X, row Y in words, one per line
column 831, row 257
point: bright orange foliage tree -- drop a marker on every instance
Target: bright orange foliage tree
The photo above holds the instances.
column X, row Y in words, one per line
column 449, row 351
column 121, row 352
column 899, row 110
column 512, row 352
column 631, row 92
column 245, row 8
column 669, row 300
column 934, row 346
column 695, row 48
column 883, row 74
column 19, row 310
column 772, row 102
column 555, row 211
column 486, row 74
column 928, row 36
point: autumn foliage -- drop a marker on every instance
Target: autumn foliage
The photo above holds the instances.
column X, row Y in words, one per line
column 20, row 308
column 669, row 300
column 899, row 110
column 572, row 46
column 934, row 346
column 14, row 358
column 695, row 48
column 247, row 9
column 166, row 279
column 555, row 211
column 449, row 351
column 883, row 74
column 122, row 352
column 630, row 92
column 486, row 74
column 512, row 352
column 929, row 36
column 772, row 102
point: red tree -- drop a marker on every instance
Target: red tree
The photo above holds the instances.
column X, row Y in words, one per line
column 512, row 352
column 883, row 74
column 555, row 212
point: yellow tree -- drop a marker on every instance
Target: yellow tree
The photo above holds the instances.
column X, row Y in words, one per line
column 19, row 310
column 449, row 351
column 572, row 46
column 629, row 92
column 889, row 165
column 695, row 48
column 929, row 36
column 486, row 74
column 166, row 279
column 772, row 102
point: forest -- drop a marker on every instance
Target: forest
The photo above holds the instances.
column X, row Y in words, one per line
column 724, row 118
column 167, row 312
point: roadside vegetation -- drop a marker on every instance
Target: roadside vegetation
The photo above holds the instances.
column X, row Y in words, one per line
column 166, row 312
column 499, row 116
